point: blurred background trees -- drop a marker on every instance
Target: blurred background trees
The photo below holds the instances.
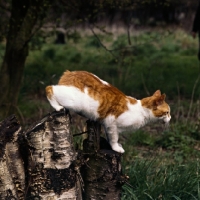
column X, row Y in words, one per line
column 25, row 19
column 22, row 20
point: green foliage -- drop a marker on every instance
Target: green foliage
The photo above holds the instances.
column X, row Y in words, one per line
column 36, row 42
column 120, row 43
column 171, row 174
column 180, row 140
column 154, row 179
column 92, row 42
column 154, row 61
column 74, row 36
column 179, row 143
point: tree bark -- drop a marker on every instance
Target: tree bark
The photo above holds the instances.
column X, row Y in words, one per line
column 51, row 170
column 24, row 16
column 41, row 163
column 12, row 176
column 102, row 174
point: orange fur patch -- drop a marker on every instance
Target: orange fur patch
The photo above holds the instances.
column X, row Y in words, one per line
column 49, row 91
column 132, row 100
column 111, row 100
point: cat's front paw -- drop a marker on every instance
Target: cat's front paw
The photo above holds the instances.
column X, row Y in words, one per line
column 59, row 108
column 117, row 147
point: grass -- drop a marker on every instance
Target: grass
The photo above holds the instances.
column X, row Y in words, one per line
column 161, row 163
column 155, row 180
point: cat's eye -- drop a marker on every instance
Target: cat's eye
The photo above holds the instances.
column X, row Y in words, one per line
column 166, row 113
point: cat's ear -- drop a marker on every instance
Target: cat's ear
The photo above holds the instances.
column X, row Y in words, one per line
column 160, row 99
column 157, row 93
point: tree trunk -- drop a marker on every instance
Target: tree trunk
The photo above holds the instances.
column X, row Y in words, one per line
column 24, row 16
column 12, row 176
column 102, row 173
column 52, row 173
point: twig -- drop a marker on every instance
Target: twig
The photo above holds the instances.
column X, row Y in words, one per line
column 102, row 43
column 77, row 134
column 128, row 33
column 33, row 33
column 102, row 29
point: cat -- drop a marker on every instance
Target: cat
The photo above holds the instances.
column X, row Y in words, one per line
column 85, row 93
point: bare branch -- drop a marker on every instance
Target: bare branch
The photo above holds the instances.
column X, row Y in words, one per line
column 102, row 43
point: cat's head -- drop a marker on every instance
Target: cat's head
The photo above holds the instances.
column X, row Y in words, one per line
column 156, row 103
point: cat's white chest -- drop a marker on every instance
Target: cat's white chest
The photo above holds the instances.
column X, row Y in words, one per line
column 134, row 118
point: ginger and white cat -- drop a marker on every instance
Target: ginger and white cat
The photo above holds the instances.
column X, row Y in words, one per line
column 85, row 93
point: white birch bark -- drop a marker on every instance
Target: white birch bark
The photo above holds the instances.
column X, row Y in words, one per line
column 12, row 175
column 52, row 175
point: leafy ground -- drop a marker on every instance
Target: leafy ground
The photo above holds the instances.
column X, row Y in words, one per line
column 161, row 163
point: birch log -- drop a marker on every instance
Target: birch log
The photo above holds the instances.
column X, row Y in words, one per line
column 12, row 175
column 52, row 175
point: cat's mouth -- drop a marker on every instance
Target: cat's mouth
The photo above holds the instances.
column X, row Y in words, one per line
column 166, row 120
column 165, row 125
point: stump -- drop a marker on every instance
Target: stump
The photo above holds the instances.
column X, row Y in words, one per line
column 12, row 176
column 52, row 174
column 102, row 173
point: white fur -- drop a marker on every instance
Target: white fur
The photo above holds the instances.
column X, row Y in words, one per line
column 134, row 118
column 74, row 99
column 166, row 118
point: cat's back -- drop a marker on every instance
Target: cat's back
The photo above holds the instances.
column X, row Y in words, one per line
column 84, row 79
column 111, row 100
column 81, row 79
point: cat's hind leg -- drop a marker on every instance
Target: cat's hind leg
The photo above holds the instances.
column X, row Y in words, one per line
column 52, row 99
